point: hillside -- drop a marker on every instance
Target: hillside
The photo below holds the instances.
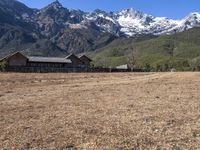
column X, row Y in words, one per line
column 180, row 51
column 50, row 31
column 56, row 31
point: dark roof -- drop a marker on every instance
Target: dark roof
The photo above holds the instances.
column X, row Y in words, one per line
column 10, row 55
column 82, row 56
column 49, row 59
column 71, row 55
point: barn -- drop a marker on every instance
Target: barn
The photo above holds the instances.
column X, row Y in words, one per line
column 76, row 62
column 18, row 61
column 85, row 60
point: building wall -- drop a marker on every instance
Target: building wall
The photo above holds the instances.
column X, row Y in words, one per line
column 17, row 60
column 49, row 65
column 85, row 61
column 76, row 62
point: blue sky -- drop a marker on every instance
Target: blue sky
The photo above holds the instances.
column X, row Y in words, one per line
column 175, row 9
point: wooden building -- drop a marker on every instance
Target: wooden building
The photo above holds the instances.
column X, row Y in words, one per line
column 19, row 60
column 85, row 60
column 76, row 62
column 16, row 59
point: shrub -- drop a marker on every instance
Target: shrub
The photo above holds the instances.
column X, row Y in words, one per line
column 3, row 65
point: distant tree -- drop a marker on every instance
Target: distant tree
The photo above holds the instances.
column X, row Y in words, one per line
column 132, row 57
column 103, row 62
column 194, row 64
column 147, row 67
column 158, row 67
column 3, row 65
column 169, row 47
column 166, row 67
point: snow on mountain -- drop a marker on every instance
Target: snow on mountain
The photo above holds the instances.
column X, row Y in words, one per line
column 192, row 20
column 79, row 31
column 132, row 22
column 128, row 22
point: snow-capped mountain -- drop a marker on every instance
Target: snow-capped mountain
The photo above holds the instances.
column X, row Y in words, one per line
column 129, row 22
column 76, row 30
column 132, row 22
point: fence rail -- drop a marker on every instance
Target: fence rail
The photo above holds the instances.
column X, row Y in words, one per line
column 49, row 70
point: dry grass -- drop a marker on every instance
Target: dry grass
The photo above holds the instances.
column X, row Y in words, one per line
column 119, row 111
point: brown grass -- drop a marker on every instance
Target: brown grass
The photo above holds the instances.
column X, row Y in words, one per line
column 118, row 111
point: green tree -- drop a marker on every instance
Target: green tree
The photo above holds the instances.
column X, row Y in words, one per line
column 193, row 64
column 132, row 56
column 3, row 65
column 158, row 67
column 169, row 47
column 166, row 67
column 147, row 67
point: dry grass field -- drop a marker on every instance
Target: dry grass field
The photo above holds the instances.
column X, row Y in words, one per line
column 118, row 111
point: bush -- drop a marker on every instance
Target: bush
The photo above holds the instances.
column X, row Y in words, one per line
column 147, row 67
column 3, row 65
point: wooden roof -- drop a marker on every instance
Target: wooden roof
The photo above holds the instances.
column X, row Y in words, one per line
column 40, row 59
column 49, row 59
column 84, row 56
column 10, row 55
column 71, row 55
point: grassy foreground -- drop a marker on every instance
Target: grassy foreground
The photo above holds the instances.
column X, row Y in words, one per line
column 100, row 111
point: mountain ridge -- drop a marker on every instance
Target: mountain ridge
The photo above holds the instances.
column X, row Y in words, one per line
column 76, row 31
column 129, row 22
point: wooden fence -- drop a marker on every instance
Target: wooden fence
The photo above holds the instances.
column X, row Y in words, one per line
column 48, row 70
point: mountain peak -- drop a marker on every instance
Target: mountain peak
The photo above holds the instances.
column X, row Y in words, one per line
column 56, row 4
column 194, row 13
column 99, row 11
column 52, row 7
column 131, row 12
column 193, row 16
